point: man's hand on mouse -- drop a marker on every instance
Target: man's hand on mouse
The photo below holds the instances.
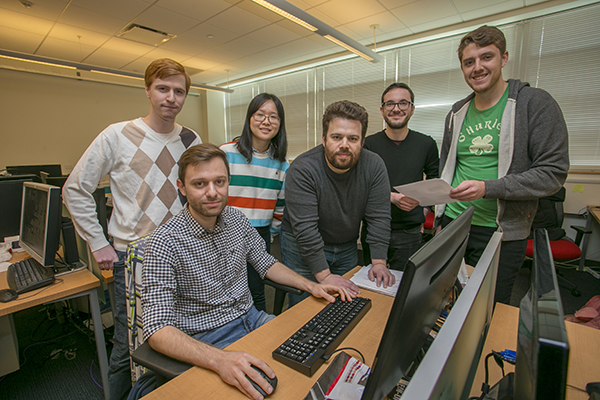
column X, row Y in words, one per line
column 233, row 366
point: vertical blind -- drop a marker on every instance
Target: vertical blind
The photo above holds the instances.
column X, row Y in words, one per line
column 559, row 53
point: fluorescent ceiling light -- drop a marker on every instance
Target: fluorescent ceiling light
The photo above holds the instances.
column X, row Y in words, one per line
column 116, row 74
column 37, row 62
column 286, row 15
column 347, row 47
column 301, row 17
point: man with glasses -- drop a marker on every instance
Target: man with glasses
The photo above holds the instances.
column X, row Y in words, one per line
column 328, row 191
column 407, row 155
column 504, row 146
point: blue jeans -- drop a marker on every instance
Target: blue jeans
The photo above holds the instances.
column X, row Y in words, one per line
column 220, row 337
column 119, row 374
column 340, row 257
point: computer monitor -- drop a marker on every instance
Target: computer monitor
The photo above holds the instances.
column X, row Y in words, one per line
column 448, row 369
column 52, row 169
column 11, row 197
column 40, row 221
column 423, row 292
column 542, row 345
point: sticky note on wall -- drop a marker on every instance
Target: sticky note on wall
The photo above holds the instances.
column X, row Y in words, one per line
column 578, row 188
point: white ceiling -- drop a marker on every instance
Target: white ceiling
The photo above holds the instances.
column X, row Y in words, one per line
column 218, row 35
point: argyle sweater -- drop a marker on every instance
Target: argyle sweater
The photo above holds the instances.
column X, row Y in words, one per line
column 257, row 188
column 142, row 167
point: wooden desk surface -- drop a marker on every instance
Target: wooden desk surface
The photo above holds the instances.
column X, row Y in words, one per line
column 584, row 355
column 65, row 285
column 595, row 211
column 107, row 275
column 198, row 383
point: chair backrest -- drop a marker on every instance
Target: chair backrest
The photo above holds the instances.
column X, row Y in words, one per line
column 133, row 286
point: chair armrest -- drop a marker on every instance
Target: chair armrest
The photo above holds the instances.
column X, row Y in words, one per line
column 285, row 288
column 158, row 362
column 581, row 230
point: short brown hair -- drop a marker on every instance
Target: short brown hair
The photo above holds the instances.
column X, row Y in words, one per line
column 200, row 153
column 483, row 36
column 347, row 110
column 164, row 68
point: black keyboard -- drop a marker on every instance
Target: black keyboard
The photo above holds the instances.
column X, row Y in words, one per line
column 305, row 350
column 27, row 275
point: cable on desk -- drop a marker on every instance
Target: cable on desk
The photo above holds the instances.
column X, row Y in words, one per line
column 345, row 348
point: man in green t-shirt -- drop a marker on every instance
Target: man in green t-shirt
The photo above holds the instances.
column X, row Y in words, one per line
column 504, row 146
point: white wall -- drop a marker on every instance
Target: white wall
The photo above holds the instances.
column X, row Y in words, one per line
column 215, row 106
column 52, row 120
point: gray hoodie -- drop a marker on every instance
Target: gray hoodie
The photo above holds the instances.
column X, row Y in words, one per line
column 533, row 158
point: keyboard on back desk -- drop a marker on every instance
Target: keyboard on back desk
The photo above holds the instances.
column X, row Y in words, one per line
column 305, row 350
column 27, row 275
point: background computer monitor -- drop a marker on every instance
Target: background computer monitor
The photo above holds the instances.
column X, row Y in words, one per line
column 52, row 169
column 424, row 291
column 11, row 197
column 542, row 345
column 40, row 221
column 449, row 367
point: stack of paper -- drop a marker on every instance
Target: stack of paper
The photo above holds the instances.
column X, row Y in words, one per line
column 361, row 279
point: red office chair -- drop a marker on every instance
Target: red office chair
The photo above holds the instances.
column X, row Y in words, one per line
column 428, row 231
column 550, row 215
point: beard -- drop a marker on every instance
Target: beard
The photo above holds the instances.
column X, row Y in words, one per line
column 342, row 164
column 396, row 125
column 208, row 212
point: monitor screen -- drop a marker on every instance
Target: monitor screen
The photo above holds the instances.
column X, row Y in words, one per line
column 11, row 197
column 448, row 369
column 423, row 292
column 542, row 345
column 40, row 221
column 52, row 169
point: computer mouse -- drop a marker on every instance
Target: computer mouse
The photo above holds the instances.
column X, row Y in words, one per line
column 272, row 382
column 7, row 295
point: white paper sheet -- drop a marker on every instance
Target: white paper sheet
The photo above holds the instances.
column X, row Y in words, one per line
column 428, row 193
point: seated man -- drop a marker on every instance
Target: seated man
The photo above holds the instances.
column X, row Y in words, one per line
column 196, row 299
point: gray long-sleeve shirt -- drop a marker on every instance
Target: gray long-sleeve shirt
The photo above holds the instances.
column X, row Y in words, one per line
column 325, row 207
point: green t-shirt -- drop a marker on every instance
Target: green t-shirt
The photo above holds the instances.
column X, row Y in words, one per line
column 477, row 159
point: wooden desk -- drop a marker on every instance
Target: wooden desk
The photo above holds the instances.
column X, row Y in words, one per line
column 107, row 277
column 198, row 383
column 74, row 284
column 594, row 215
column 584, row 355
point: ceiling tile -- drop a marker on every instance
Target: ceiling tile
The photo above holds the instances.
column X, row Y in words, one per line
column 353, row 35
column 110, row 58
column 492, row 8
column 221, row 55
column 127, row 46
column 330, row 20
column 17, row 40
column 120, row 9
column 199, row 10
column 207, row 76
column 470, row 5
column 71, row 33
column 200, row 63
column 386, row 20
column 244, row 46
column 195, row 40
column 24, row 22
column 245, row 22
column 93, row 21
column 273, row 35
column 47, row 9
column 259, row 11
column 64, row 50
column 412, row 14
column 426, row 26
column 165, row 20
column 164, row 53
column 391, row 4
column 345, row 11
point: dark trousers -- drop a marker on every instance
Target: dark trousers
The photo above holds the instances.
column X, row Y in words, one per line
column 403, row 244
column 512, row 254
column 257, row 286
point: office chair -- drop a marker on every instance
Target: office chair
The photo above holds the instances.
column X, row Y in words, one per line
column 428, row 230
column 142, row 356
column 550, row 215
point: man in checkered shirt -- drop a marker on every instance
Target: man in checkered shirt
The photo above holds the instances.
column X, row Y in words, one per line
column 196, row 299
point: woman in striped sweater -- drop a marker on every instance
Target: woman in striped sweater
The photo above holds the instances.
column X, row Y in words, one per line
column 258, row 165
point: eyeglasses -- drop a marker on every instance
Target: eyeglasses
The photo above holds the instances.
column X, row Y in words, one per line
column 402, row 105
column 258, row 117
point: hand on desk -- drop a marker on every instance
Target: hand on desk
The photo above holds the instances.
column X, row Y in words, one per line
column 324, row 291
column 106, row 257
column 327, row 278
column 233, row 366
column 380, row 272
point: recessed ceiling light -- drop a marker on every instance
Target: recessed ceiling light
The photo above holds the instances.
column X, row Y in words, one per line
column 26, row 4
column 210, row 36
